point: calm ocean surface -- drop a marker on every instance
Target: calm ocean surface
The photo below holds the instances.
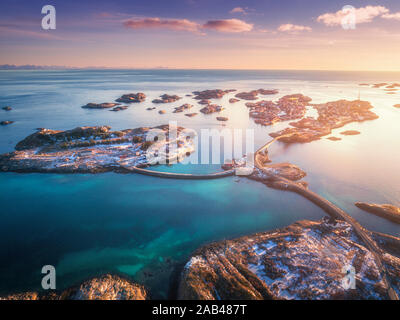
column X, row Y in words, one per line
column 142, row 226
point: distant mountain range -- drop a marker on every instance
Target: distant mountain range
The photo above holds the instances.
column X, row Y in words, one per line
column 32, row 67
column 36, row 67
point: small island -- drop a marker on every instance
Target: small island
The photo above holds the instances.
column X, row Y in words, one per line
column 211, row 94
column 166, row 98
column 289, row 107
column 94, row 150
column 350, row 133
column 331, row 115
column 253, row 95
column 6, row 123
column 132, row 98
column 386, row 211
column 211, row 108
column 182, row 108
column 105, row 105
column 119, row 108
column 334, row 138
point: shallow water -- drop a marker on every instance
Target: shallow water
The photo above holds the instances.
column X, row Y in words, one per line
column 143, row 226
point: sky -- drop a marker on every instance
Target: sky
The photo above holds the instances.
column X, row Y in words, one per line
column 205, row 34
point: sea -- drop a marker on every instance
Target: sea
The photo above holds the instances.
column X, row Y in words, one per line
column 146, row 228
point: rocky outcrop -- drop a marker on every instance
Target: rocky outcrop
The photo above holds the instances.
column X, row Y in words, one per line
column 166, row 98
column 233, row 100
column 306, row 260
column 211, row 108
column 204, row 102
column 285, row 170
column 116, row 109
column 106, row 287
column 393, row 86
column 6, row 123
column 379, row 85
column 211, row 94
column 386, row 211
column 94, row 149
column 104, row 105
column 334, row 138
column 182, row 108
column 350, row 133
column 132, row 97
column 222, row 119
column 253, row 95
column 190, row 115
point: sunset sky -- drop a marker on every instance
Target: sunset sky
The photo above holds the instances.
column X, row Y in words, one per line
column 257, row 34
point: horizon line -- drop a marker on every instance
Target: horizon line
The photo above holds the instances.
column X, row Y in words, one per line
column 32, row 67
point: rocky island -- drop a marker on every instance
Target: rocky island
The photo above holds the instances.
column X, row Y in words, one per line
column 350, row 133
column 306, row 260
column 119, row 108
column 253, row 95
column 166, row 98
column 331, row 115
column 334, row 138
column 211, row 94
column 386, row 211
column 95, row 149
column 6, row 123
column 211, row 108
column 106, row 287
column 7, row 108
column 182, row 108
column 289, row 107
column 104, row 105
column 191, row 115
column 132, row 97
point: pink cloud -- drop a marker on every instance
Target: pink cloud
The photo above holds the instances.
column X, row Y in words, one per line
column 238, row 10
column 228, row 25
column 362, row 15
column 157, row 23
column 293, row 28
column 391, row 16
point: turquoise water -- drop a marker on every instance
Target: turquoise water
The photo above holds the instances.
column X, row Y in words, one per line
column 145, row 227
